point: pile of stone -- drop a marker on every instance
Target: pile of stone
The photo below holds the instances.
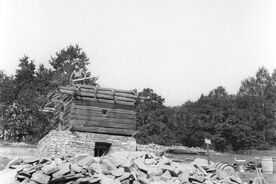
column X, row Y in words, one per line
column 172, row 149
column 117, row 168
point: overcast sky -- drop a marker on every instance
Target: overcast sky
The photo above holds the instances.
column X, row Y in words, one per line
column 179, row 48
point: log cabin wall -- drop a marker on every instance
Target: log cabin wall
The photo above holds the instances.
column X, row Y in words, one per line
column 106, row 118
column 100, row 110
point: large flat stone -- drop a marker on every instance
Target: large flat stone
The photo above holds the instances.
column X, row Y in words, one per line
column 154, row 171
column 86, row 161
column 118, row 172
column 76, row 168
column 63, row 169
column 50, row 169
column 110, row 166
column 41, row 178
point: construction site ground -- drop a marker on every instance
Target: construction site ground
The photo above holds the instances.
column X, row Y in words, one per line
column 9, row 151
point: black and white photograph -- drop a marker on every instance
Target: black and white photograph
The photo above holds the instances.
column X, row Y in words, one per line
column 137, row 92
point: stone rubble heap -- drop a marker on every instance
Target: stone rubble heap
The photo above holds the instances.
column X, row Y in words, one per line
column 118, row 168
column 183, row 149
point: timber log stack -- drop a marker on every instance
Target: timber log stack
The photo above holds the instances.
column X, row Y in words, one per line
column 88, row 108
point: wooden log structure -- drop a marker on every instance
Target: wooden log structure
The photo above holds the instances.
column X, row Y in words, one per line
column 88, row 108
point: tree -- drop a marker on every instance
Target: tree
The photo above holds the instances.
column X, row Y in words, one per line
column 148, row 105
column 25, row 75
column 8, row 89
column 256, row 94
column 63, row 63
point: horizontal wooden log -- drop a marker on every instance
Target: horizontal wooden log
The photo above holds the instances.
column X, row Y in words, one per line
column 110, row 117
column 99, row 108
column 110, row 93
column 103, row 124
column 87, row 90
column 67, row 91
column 86, row 94
column 95, row 118
column 107, row 101
column 113, row 131
column 105, row 105
column 126, row 95
column 86, row 86
column 117, row 98
column 104, row 89
column 125, row 103
column 100, row 92
column 99, row 113
column 116, row 90
column 106, row 97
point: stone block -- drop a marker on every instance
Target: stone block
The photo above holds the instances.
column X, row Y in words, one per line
column 50, row 169
column 154, row 171
column 76, row 168
column 124, row 177
column 110, row 166
column 150, row 161
column 118, row 172
column 40, row 177
column 15, row 162
column 86, row 161
column 63, row 169
column 166, row 176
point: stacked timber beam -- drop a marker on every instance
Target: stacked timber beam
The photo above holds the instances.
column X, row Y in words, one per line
column 100, row 110
column 100, row 94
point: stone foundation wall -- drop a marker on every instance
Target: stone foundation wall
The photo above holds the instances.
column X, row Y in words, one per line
column 68, row 143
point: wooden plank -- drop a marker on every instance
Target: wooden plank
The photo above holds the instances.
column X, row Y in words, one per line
column 100, row 113
column 105, row 97
column 113, row 131
column 87, row 90
column 125, row 103
column 105, row 89
column 95, row 118
column 117, row 98
column 86, row 86
column 103, row 124
column 99, row 107
column 67, row 91
column 108, row 101
column 105, row 92
column 110, row 93
column 116, row 90
column 126, row 95
column 104, row 105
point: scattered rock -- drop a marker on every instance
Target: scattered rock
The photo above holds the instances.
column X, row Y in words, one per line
column 131, row 168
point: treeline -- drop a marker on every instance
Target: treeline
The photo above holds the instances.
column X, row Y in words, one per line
column 245, row 120
column 233, row 122
column 23, row 94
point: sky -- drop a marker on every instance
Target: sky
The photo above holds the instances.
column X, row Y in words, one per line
column 179, row 48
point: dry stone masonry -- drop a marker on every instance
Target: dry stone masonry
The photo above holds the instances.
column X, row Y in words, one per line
column 69, row 143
